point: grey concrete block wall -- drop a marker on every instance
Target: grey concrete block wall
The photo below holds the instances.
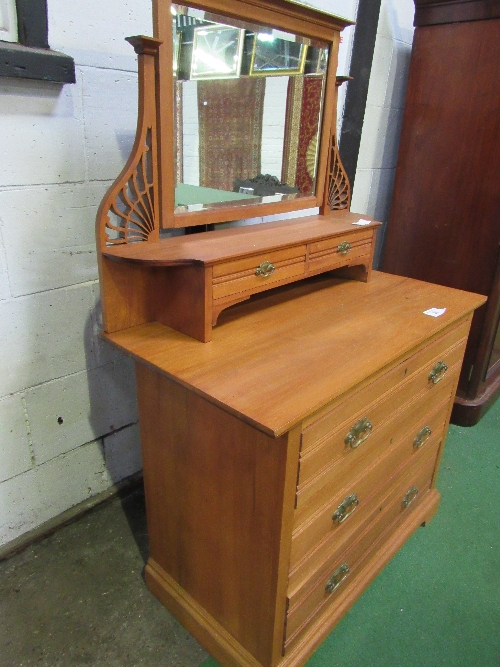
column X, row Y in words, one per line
column 68, row 414
column 378, row 153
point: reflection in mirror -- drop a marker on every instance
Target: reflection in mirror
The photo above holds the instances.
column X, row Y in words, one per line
column 248, row 105
column 216, row 52
column 272, row 55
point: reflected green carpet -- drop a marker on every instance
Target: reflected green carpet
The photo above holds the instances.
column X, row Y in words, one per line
column 437, row 603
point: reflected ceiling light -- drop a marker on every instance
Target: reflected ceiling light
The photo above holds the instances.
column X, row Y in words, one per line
column 216, row 64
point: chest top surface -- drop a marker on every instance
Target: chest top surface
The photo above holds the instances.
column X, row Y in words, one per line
column 277, row 359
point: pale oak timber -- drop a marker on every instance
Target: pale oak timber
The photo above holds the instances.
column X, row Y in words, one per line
column 335, row 333
column 216, row 490
column 198, row 276
column 388, row 546
column 314, row 540
column 221, row 429
column 224, row 245
column 141, row 201
column 250, row 438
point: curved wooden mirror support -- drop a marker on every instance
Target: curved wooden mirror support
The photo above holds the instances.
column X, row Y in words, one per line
column 237, row 119
column 242, row 101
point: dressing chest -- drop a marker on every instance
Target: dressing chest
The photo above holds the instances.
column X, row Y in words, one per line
column 293, row 404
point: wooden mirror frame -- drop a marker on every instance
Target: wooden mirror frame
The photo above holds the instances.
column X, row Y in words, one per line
column 184, row 281
column 146, row 183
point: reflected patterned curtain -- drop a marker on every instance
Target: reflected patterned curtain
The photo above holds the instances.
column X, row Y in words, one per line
column 230, row 126
column 303, row 107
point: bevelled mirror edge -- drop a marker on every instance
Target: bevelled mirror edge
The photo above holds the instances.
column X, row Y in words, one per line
column 140, row 202
column 302, row 20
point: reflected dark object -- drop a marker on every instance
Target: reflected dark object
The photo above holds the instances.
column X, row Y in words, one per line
column 317, row 60
column 249, row 99
column 263, row 185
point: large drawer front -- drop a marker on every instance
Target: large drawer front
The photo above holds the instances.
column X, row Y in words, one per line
column 336, row 464
column 362, row 459
column 350, row 495
column 403, row 495
column 386, row 424
column 326, row 420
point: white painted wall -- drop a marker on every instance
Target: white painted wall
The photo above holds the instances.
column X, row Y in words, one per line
column 67, row 401
column 378, row 153
column 273, row 125
column 190, row 133
column 8, row 21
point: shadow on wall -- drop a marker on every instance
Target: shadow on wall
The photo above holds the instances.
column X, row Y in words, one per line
column 395, row 98
column 125, row 141
column 384, row 115
column 114, row 421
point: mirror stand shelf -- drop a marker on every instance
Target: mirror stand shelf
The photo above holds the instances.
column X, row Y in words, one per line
column 200, row 275
column 186, row 281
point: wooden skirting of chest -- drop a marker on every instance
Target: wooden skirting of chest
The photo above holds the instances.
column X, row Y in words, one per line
column 288, row 460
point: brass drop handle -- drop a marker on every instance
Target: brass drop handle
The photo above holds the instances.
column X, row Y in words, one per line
column 422, row 436
column 358, row 433
column 337, row 578
column 346, row 508
column 438, row 372
column 409, row 496
column 265, row 270
column 344, row 248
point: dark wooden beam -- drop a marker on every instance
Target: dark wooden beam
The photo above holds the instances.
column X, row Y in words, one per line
column 357, row 89
column 31, row 57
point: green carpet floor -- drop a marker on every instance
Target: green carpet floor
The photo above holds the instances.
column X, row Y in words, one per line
column 437, row 603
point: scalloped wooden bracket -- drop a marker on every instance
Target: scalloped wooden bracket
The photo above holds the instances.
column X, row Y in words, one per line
column 129, row 212
column 338, row 194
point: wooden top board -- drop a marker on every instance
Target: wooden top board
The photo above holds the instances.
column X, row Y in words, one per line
column 223, row 244
column 286, row 353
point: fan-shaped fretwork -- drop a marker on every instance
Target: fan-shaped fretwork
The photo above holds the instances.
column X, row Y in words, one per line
column 131, row 214
column 339, row 189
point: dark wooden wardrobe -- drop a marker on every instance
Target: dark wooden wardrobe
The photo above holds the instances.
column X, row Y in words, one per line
column 445, row 219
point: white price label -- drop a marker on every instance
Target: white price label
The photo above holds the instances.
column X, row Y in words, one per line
column 435, row 312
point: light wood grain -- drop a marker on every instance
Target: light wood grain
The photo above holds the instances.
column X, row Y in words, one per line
column 287, row 16
column 198, row 276
column 321, row 537
column 324, row 422
column 300, row 650
column 223, row 484
column 220, row 502
column 224, row 245
column 311, row 342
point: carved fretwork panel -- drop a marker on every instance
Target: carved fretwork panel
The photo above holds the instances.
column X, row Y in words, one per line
column 131, row 215
column 339, row 188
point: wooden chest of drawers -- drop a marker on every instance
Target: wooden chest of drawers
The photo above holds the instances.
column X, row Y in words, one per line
column 288, row 460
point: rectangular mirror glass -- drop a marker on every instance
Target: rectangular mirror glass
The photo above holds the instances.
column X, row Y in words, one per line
column 247, row 113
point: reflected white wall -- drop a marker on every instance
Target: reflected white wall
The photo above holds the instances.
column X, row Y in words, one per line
column 273, row 125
